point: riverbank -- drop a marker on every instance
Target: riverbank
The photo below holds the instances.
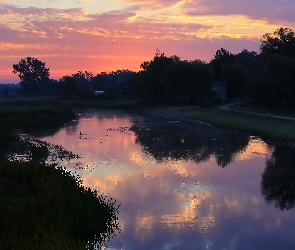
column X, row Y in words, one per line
column 42, row 206
column 258, row 125
column 246, row 120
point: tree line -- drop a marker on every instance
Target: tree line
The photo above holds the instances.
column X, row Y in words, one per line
column 267, row 77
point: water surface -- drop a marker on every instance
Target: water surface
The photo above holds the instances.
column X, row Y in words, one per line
column 184, row 184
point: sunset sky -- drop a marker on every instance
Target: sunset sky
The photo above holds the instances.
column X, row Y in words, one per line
column 106, row 35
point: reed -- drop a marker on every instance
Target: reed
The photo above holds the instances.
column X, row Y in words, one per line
column 33, row 118
column 44, row 207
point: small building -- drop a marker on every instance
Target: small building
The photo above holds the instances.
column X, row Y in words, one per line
column 99, row 92
column 220, row 88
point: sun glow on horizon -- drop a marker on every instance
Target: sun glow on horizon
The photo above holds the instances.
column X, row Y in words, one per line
column 123, row 34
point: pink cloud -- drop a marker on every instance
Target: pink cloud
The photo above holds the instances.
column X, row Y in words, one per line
column 268, row 10
column 69, row 40
column 151, row 4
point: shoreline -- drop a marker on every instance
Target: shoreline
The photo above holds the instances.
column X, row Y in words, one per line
column 274, row 130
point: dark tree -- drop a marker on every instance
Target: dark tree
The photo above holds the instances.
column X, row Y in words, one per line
column 279, row 85
column 252, row 62
column 278, row 52
column 69, row 87
column 281, row 41
column 83, row 78
column 148, row 79
column 235, row 78
column 5, row 92
column 32, row 73
column 245, row 58
column 187, row 80
column 222, row 57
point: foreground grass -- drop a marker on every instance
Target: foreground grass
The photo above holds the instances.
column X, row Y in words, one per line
column 275, row 129
column 43, row 207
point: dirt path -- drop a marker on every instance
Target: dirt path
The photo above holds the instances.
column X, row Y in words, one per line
column 227, row 107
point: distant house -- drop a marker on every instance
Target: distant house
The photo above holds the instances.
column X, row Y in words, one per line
column 220, row 88
column 99, row 92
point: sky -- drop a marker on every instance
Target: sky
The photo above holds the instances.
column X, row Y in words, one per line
column 107, row 35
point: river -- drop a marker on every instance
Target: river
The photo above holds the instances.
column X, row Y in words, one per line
column 184, row 184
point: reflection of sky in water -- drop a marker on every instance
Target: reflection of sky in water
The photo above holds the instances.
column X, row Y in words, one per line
column 177, row 204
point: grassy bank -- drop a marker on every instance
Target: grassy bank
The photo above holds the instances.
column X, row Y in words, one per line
column 36, row 118
column 35, row 102
column 248, row 106
column 46, row 208
column 274, row 129
column 43, row 207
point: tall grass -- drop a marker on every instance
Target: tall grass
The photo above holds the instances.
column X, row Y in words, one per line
column 43, row 207
column 33, row 118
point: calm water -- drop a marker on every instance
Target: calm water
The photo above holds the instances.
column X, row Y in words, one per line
column 184, row 184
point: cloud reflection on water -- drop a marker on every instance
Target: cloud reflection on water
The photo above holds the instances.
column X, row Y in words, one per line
column 171, row 199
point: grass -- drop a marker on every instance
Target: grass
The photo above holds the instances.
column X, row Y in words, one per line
column 247, row 106
column 35, row 118
column 43, row 207
column 275, row 129
column 126, row 105
column 9, row 141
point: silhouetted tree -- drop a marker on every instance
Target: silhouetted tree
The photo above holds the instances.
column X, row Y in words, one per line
column 246, row 58
column 148, row 79
column 281, row 41
column 235, row 78
column 251, row 61
column 278, row 85
column 222, row 57
column 69, row 87
column 5, row 92
column 184, row 80
column 32, row 73
column 84, row 81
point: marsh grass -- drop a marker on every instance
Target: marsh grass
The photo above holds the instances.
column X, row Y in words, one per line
column 35, row 118
column 275, row 129
column 43, row 207
column 9, row 141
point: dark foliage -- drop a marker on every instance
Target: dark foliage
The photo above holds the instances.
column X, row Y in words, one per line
column 47, row 208
column 32, row 74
